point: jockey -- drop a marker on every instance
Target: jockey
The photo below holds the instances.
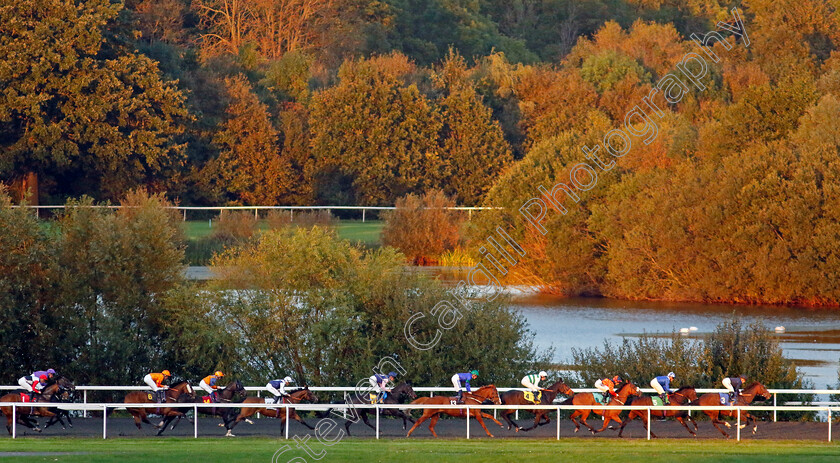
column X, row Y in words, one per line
column 209, row 383
column 733, row 385
column 50, row 374
column 379, row 383
column 607, row 385
column 155, row 381
column 32, row 384
column 457, row 378
column 662, row 385
column 278, row 387
column 532, row 382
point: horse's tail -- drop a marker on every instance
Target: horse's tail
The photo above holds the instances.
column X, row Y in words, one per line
column 568, row 401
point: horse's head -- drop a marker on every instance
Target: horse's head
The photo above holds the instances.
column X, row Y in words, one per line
column 182, row 387
column 305, row 394
column 756, row 389
column 685, row 394
column 65, row 384
column 489, row 393
column 405, row 389
column 561, row 388
column 627, row 389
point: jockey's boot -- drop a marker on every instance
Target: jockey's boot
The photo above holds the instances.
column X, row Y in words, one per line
column 664, row 398
column 458, row 398
column 732, row 397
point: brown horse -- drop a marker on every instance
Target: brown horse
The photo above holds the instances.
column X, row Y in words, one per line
column 588, row 398
column 681, row 396
column 746, row 397
column 268, row 410
column 398, row 394
column 60, row 390
column 480, row 396
column 180, row 392
column 24, row 414
column 548, row 396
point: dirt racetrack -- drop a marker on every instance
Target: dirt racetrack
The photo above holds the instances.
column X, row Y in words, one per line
column 446, row 428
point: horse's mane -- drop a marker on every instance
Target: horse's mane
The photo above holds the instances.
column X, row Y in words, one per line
column 559, row 382
column 173, row 385
column 623, row 385
column 752, row 384
column 684, row 388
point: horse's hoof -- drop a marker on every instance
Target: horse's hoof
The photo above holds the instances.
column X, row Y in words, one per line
column 249, row 421
column 727, row 425
column 221, row 425
column 577, row 429
column 742, row 426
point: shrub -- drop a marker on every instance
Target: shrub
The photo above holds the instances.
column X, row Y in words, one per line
column 237, row 225
column 421, row 227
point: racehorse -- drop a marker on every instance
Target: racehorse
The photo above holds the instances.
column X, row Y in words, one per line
column 588, row 398
column 61, row 390
column 548, row 396
column 746, row 397
column 397, row 395
column 681, row 396
column 483, row 395
column 270, row 411
column 180, row 392
column 23, row 413
column 230, row 393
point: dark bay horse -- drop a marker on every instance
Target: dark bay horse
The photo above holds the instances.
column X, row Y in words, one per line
column 180, row 392
column 587, row 398
column 233, row 392
column 59, row 391
column 274, row 410
column 746, row 397
column 483, row 395
column 548, row 396
column 397, row 395
column 682, row 396
column 24, row 414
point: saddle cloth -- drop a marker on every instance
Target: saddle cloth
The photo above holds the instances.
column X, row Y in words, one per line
column 529, row 396
column 657, row 401
column 25, row 397
column 206, row 399
column 724, row 399
column 601, row 398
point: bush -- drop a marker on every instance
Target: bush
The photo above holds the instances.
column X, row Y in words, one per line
column 421, row 228
column 237, row 225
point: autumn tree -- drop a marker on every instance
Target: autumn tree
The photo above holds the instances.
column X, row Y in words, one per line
column 250, row 168
column 68, row 108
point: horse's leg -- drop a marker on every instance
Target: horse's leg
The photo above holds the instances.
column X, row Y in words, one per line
column 574, row 414
column 630, row 417
column 506, row 416
column 490, row 417
column 608, row 418
column 418, row 422
column 681, row 419
column 716, row 421
column 163, row 422
column 433, row 422
column 363, row 414
column 584, row 414
column 481, row 422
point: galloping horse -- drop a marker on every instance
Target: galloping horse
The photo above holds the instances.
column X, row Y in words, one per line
column 588, row 398
column 23, row 413
column 61, row 390
column 548, row 396
column 682, row 396
column 180, row 392
column 748, row 394
column 397, row 395
column 229, row 394
column 270, row 411
column 486, row 394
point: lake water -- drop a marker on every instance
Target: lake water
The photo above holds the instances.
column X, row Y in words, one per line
column 811, row 337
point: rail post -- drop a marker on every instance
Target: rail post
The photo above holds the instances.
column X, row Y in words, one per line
column 377, row 420
column 468, row 421
column 195, row 421
column 14, row 422
column 829, row 424
column 363, row 215
column 774, row 407
column 738, row 431
column 104, row 421
column 84, row 400
column 558, row 423
column 649, row 423
column 287, row 421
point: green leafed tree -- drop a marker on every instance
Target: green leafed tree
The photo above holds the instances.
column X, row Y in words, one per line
column 69, row 107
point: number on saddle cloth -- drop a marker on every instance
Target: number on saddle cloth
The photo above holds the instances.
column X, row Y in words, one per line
column 657, row 401
column 529, row 396
column 25, row 397
column 724, row 399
